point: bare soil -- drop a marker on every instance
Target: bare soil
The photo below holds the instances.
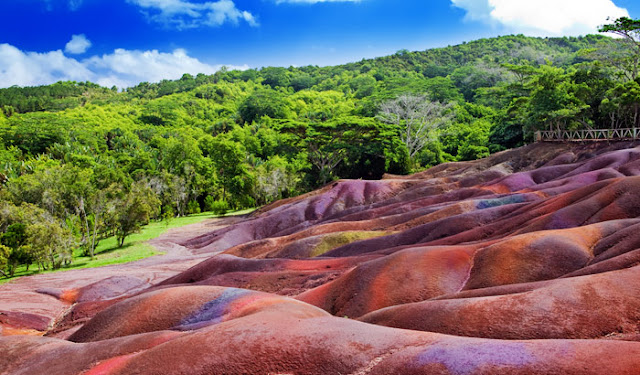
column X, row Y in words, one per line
column 25, row 295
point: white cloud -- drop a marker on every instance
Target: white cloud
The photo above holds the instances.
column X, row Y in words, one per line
column 183, row 14
column 31, row 68
column 543, row 17
column 151, row 66
column 77, row 45
column 477, row 10
column 122, row 68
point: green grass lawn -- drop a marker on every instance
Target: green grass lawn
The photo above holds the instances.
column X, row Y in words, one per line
column 135, row 246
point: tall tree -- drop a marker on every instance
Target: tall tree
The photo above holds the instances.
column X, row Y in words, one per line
column 622, row 105
column 417, row 117
column 50, row 243
column 5, row 252
column 14, row 238
column 229, row 159
column 554, row 101
column 629, row 30
column 325, row 147
column 102, row 205
column 137, row 208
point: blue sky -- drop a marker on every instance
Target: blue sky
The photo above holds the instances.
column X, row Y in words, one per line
column 124, row 42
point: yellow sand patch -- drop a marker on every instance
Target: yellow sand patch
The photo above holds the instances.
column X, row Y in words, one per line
column 10, row 331
column 334, row 240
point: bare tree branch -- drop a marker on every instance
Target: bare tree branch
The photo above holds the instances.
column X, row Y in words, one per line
column 418, row 118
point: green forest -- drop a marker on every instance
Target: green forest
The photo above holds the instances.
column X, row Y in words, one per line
column 82, row 162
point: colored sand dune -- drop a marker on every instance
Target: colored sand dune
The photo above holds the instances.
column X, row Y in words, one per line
column 524, row 262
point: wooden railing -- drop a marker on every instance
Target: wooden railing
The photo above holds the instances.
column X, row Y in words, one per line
column 586, row 135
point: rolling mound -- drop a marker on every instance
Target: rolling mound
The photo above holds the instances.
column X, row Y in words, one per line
column 524, row 262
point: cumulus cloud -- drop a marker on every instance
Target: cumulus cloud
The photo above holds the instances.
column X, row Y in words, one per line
column 31, row 68
column 77, row 45
column 183, row 14
column 122, row 68
column 543, row 17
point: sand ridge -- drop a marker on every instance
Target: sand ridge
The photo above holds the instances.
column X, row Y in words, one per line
column 523, row 262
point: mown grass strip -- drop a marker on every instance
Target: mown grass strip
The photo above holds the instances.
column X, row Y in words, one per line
column 135, row 246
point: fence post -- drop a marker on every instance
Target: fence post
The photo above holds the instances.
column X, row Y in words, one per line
column 538, row 136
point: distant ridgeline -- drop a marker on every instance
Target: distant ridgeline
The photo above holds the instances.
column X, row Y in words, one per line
column 237, row 139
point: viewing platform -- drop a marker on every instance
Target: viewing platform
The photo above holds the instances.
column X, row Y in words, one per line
column 587, row 135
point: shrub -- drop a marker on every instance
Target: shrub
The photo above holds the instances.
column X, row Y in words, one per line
column 220, row 207
column 208, row 203
column 193, row 207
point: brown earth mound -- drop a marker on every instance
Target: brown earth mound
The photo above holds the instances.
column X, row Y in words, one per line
column 523, row 262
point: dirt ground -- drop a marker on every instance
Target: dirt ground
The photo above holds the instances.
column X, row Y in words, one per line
column 22, row 294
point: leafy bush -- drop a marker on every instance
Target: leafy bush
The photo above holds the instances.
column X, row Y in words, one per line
column 193, row 207
column 208, row 203
column 220, row 207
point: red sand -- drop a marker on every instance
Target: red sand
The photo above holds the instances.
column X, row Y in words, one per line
column 524, row 262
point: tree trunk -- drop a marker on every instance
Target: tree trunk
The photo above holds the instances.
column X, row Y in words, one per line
column 224, row 193
column 83, row 216
column 92, row 249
